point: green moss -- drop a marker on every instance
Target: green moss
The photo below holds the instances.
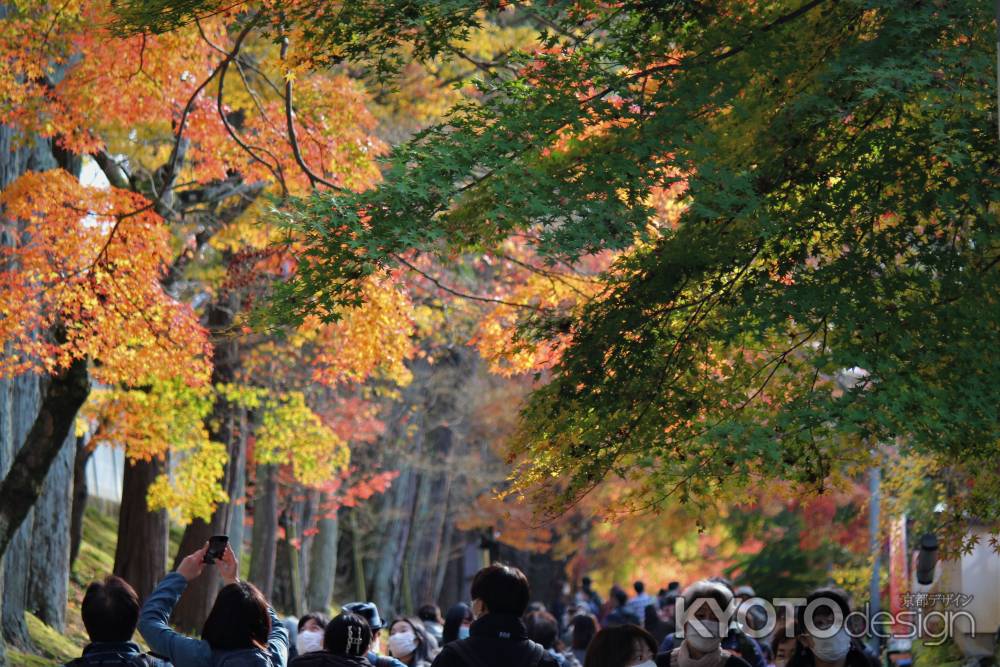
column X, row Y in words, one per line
column 51, row 643
column 18, row 659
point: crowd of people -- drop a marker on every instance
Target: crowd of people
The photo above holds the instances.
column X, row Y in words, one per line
column 501, row 627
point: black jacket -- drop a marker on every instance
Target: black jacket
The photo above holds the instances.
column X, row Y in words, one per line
column 115, row 653
column 327, row 659
column 498, row 640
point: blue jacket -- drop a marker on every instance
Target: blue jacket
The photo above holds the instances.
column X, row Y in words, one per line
column 383, row 660
column 186, row 651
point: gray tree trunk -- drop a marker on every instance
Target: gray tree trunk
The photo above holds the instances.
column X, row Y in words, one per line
column 50, row 537
column 265, row 530
column 323, row 560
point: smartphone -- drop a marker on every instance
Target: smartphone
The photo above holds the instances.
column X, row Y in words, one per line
column 216, row 547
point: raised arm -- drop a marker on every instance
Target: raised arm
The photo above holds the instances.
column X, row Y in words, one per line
column 154, row 617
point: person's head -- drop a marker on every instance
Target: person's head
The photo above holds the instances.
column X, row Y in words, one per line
column 348, row 635
column 408, row 641
column 542, row 628
column 743, row 593
column 782, row 648
column 668, row 603
column 619, row 596
column 430, row 613
column 820, row 624
column 706, row 602
column 310, row 630
column 369, row 612
column 673, row 586
column 535, row 606
column 639, row 587
column 651, row 617
column 585, row 626
column 621, row 646
column 239, row 619
column 500, row 589
column 110, row 610
column 586, row 582
column 456, row 623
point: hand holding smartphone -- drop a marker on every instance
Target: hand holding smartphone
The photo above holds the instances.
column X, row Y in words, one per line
column 216, row 547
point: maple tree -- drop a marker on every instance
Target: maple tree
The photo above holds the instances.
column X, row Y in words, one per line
column 838, row 212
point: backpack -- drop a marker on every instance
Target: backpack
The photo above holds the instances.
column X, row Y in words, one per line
column 472, row 660
column 382, row 661
column 112, row 659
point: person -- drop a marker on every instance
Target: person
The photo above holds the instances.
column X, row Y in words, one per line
column 241, row 629
column 456, row 623
column 590, row 596
column 703, row 630
column 310, row 631
column 637, row 605
column 430, row 614
column 110, row 612
column 735, row 640
column 621, row 646
column 655, row 625
column 668, row 611
column 543, row 629
column 620, row 614
column 782, row 649
column 369, row 612
column 584, row 626
column 824, row 641
column 408, row 642
column 347, row 640
column 497, row 637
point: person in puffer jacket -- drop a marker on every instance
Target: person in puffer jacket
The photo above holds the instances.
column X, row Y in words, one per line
column 240, row 631
column 347, row 640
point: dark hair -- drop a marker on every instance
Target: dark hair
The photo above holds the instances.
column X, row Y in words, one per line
column 586, row 581
column 110, row 610
column 651, row 619
column 453, row 620
column 542, row 628
column 320, row 618
column 348, row 634
column 674, row 586
column 614, row 647
column 585, row 626
column 429, row 612
column 706, row 589
column 239, row 619
column 639, row 587
column 502, row 588
column 423, row 652
column 619, row 596
column 832, row 597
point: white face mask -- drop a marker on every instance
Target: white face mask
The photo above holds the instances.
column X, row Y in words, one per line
column 704, row 644
column 463, row 632
column 402, row 644
column 648, row 663
column 832, row 649
column 308, row 641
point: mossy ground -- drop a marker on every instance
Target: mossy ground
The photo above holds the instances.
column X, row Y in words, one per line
column 95, row 561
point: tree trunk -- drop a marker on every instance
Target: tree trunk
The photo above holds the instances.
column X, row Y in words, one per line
column 141, row 550
column 193, row 607
column 265, row 530
column 360, row 592
column 62, row 396
column 238, row 498
column 323, row 560
column 49, row 574
column 80, row 491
